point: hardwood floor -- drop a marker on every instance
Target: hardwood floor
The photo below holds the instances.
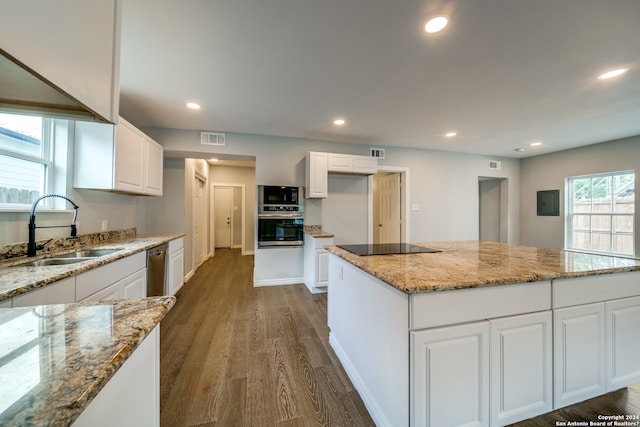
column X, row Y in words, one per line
column 235, row 355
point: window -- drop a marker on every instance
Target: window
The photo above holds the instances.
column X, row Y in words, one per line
column 26, row 148
column 600, row 213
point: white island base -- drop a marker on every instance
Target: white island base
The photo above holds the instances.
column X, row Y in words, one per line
column 485, row 356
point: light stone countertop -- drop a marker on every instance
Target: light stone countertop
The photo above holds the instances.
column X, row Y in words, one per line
column 57, row 358
column 316, row 231
column 471, row 264
column 15, row 281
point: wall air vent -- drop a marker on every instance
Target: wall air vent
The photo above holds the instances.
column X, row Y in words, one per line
column 377, row 152
column 212, row 138
column 495, row 164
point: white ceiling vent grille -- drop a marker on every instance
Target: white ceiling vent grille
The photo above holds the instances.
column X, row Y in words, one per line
column 495, row 164
column 377, row 152
column 212, row 138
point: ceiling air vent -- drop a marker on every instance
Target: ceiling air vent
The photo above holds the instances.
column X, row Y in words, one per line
column 211, row 138
column 377, row 152
column 495, row 164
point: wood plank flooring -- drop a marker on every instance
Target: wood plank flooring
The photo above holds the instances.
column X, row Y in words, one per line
column 235, row 355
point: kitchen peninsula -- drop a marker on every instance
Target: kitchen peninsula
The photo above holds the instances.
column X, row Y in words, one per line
column 482, row 333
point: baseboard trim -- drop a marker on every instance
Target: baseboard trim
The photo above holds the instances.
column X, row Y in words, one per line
column 278, row 282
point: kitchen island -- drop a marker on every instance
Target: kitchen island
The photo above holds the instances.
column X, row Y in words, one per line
column 86, row 364
column 482, row 333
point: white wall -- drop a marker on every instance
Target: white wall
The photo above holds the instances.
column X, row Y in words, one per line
column 443, row 185
column 548, row 172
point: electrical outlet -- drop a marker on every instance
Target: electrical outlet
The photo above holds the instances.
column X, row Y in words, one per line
column 105, row 225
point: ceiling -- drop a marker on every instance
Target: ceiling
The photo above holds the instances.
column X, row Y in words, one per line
column 502, row 74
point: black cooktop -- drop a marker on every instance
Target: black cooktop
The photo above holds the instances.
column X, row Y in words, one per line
column 387, row 249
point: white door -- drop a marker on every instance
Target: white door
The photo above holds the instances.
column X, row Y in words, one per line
column 198, row 222
column 623, row 346
column 222, row 216
column 388, row 208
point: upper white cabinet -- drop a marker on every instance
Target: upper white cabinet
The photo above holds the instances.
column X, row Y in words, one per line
column 349, row 163
column 72, row 44
column 117, row 158
column 319, row 165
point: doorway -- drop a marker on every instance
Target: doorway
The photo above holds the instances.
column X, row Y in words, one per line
column 388, row 205
column 493, row 209
column 227, row 216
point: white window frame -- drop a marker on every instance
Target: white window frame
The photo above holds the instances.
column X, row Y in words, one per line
column 569, row 224
column 45, row 159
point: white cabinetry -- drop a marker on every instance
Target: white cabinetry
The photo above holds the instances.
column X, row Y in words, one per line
column 60, row 292
column 316, row 175
column 521, row 367
column 316, row 263
column 319, row 165
column 623, row 346
column 132, row 397
column 6, row 303
column 73, row 44
column 175, row 269
column 352, row 164
column 450, row 376
column 125, row 278
column 117, row 158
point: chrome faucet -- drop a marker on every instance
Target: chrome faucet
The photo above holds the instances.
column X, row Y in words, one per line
column 31, row 246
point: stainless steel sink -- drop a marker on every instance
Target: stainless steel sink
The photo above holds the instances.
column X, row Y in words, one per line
column 89, row 253
column 50, row 261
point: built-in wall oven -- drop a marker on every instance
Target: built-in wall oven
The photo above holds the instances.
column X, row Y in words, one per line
column 280, row 216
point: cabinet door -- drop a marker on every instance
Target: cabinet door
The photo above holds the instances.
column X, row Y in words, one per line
column 450, row 376
column 521, row 367
column 339, row 162
column 60, row 292
column 623, row 342
column 134, row 286
column 6, row 303
column 129, row 158
column 365, row 165
column 579, row 353
column 153, row 164
column 316, row 175
column 176, row 271
column 322, row 267
column 109, row 293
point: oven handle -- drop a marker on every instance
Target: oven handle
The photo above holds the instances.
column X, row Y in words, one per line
column 281, row 215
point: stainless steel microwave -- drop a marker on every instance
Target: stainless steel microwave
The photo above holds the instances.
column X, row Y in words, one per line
column 279, row 198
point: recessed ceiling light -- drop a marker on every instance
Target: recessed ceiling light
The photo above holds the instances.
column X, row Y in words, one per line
column 193, row 106
column 536, row 144
column 436, row 24
column 613, row 73
column 339, row 122
column 450, row 134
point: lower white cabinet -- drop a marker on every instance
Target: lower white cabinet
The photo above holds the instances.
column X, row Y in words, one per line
column 579, row 342
column 623, row 346
column 60, row 292
column 494, row 372
column 6, row 303
column 450, row 376
column 132, row 286
column 316, row 263
column 175, row 266
column 132, row 397
column 521, row 367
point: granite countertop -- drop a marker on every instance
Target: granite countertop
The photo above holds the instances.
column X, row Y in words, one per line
column 316, row 231
column 18, row 280
column 471, row 264
column 54, row 359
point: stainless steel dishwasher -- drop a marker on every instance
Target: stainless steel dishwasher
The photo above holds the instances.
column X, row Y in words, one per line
column 156, row 267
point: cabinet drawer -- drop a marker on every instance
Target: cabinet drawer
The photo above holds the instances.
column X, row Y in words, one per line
column 60, row 292
column 99, row 278
column 176, row 244
column 467, row 305
column 590, row 289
